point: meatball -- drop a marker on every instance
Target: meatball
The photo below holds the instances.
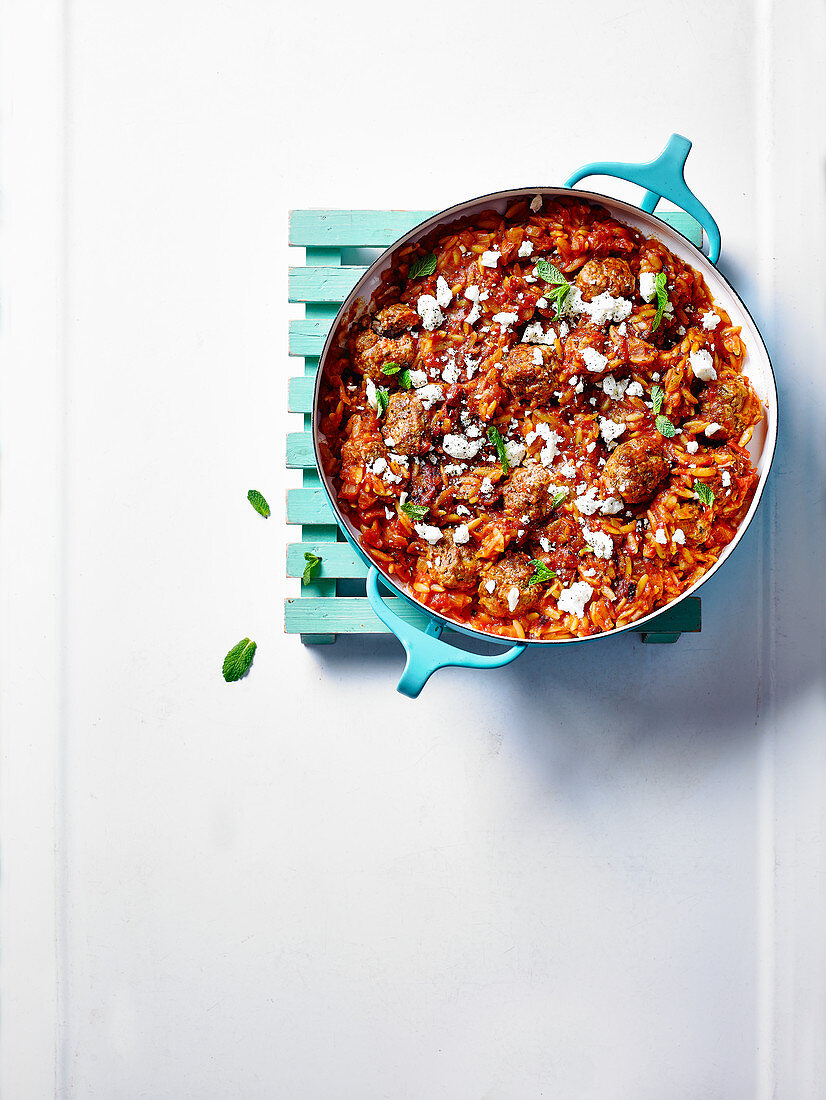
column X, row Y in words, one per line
column 695, row 522
column 635, row 469
column 612, row 275
column 373, row 352
column 526, row 494
column 725, row 403
column 578, row 341
column 503, row 588
column 406, row 424
column 363, row 445
column 394, row 320
column 452, row 565
column 531, row 373
column 469, row 487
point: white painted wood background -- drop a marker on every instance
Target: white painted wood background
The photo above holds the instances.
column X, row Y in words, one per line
column 598, row 873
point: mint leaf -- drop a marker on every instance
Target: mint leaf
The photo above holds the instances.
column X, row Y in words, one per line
column 404, row 380
column 703, row 491
column 558, row 497
column 665, row 427
column 657, row 396
column 414, row 512
column 560, row 296
column 542, row 573
column 390, row 368
column 382, row 399
column 499, row 444
column 237, row 662
column 258, row 503
column 660, row 289
column 311, row 568
column 546, row 270
column 424, row 266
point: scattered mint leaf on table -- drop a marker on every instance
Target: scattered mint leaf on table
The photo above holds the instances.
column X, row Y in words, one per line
column 237, row 662
column 311, row 568
column 259, row 503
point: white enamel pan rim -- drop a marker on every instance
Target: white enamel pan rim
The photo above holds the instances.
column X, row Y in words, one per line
column 757, row 366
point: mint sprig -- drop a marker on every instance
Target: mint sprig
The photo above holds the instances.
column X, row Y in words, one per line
column 496, row 439
column 403, row 375
column 311, row 568
column 414, row 512
column 382, row 401
column 426, row 265
column 657, row 397
column 558, row 497
column 661, row 290
column 259, row 503
column 554, row 277
column 541, row 574
column 704, row 492
column 665, row 427
column 390, row 368
column 237, row 662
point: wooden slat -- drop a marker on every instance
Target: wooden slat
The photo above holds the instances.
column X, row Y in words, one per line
column 353, row 615
column 338, row 559
column 307, row 335
column 301, row 391
column 352, row 228
column 300, row 451
column 323, row 284
column 308, row 506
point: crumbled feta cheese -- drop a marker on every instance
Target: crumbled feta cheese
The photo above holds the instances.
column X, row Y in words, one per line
column 535, row 334
column 429, row 395
column 725, row 478
column 601, row 544
column 713, row 428
column 587, row 503
column 461, row 535
column 622, row 330
column 537, row 357
column 710, row 321
column 611, row 506
column 490, row 259
column 451, row 373
column 542, row 303
column 575, row 598
column 614, row 388
column 377, row 466
column 567, row 469
column 702, row 365
column 679, row 536
column 514, row 451
column 486, row 487
column 459, row 446
column 388, row 514
column 655, row 377
column 647, row 288
column 605, row 307
column 506, row 319
column 418, row 378
column 594, row 360
column 545, row 544
column 491, row 586
column 525, row 249
column 635, row 390
column 692, row 446
column 610, row 429
column 428, row 533
column 536, row 204
column 513, row 598
column 660, row 536
column 473, row 432
column 428, row 309
column 453, row 468
column 472, row 294
column 444, row 295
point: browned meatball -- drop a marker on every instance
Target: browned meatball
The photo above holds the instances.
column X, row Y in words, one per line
column 725, row 403
column 363, row 445
column 499, row 580
column 469, row 487
column 695, row 520
column 372, row 352
column 576, row 343
column 406, row 424
column 394, row 320
column 635, row 469
column 531, row 373
column 611, row 274
column 526, row 494
column 451, row 565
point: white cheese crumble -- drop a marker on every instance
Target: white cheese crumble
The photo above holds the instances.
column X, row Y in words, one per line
column 418, row 378
column 635, row 390
column 545, row 432
column 472, row 295
column 710, row 321
column 444, row 295
column 429, row 395
column 601, row 544
column 587, row 503
column 610, row 429
column 702, row 365
column 535, row 334
column 647, row 289
column 691, row 446
column 459, row 446
column 536, row 203
column 514, row 451
column 679, row 536
column 451, row 373
column 542, row 303
column 486, row 486
column 611, row 506
column 490, row 259
column 545, row 544
column 377, row 466
column 615, row 388
column 725, row 478
column 660, row 536
column 513, row 598
column 428, row 533
column 462, row 511
column 537, row 356
column 594, row 360
column 491, row 586
column 370, row 392
column 461, row 535
column 428, row 309
column 713, row 428
column 575, row 598
column 506, row 319
column 525, row 249
column 605, row 307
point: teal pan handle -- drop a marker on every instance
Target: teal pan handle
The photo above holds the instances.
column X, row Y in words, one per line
column 663, row 178
column 425, row 649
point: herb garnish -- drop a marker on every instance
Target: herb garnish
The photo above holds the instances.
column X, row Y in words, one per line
column 558, row 497
column 237, row 662
column 703, row 491
column 311, row 568
column 661, row 291
column 382, row 399
column 657, row 397
column 552, row 275
column 404, row 375
column 424, row 266
column 259, row 504
column 390, row 368
column 499, row 444
column 414, row 512
column 665, row 427
column 541, row 573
